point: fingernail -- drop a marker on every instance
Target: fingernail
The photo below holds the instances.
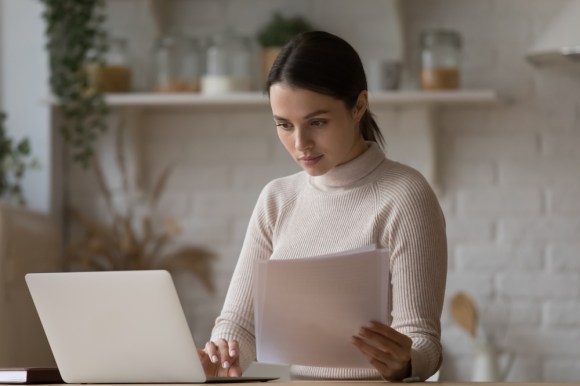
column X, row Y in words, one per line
column 233, row 353
column 214, row 358
column 226, row 365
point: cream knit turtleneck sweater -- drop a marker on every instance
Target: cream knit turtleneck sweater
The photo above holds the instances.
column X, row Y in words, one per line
column 369, row 200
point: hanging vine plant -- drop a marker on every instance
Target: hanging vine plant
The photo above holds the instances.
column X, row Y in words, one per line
column 14, row 162
column 76, row 38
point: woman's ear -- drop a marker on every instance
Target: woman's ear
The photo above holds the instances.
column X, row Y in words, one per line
column 361, row 105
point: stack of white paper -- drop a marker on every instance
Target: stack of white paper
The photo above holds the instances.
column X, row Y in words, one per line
column 306, row 310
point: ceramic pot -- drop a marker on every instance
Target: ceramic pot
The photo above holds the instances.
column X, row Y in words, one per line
column 269, row 54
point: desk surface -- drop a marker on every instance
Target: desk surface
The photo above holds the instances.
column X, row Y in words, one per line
column 360, row 383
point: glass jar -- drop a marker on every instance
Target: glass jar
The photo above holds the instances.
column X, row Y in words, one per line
column 166, row 56
column 218, row 55
column 440, row 59
column 242, row 64
column 218, row 76
column 191, row 68
column 115, row 74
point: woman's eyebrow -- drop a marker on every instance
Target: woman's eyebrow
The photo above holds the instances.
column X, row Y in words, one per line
column 314, row 113
column 309, row 115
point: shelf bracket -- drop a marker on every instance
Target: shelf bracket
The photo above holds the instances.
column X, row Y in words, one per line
column 415, row 141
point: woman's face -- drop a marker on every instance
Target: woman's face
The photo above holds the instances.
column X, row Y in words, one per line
column 317, row 130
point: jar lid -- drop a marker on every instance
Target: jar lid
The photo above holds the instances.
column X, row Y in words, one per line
column 165, row 41
column 433, row 37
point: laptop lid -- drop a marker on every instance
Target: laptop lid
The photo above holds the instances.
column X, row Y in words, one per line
column 116, row 327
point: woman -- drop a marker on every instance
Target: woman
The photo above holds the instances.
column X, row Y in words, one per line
column 349, row 195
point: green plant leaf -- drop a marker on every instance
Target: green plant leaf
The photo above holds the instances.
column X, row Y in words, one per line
column 279, row 30
column 76, row 35
column 14, row 162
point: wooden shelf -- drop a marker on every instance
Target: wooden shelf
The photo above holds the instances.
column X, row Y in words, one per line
column 417, row 113
column 187, row 99
column 395, row 98
column 413, row 97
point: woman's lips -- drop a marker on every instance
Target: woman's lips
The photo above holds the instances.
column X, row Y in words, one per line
column 310, row 160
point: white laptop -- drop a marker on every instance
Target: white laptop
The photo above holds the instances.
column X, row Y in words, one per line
column 118, row 327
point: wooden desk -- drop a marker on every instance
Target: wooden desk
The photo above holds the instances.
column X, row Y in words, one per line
column 360, row 383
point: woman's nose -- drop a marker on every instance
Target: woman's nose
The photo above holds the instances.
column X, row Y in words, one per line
column 302, row 140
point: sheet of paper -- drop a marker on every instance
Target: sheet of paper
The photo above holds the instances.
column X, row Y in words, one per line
column 306, row 310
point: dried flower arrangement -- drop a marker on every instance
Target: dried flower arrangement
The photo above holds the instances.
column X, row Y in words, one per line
column 137, row 237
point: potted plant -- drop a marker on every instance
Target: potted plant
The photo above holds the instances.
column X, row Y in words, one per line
column 76, row 38
column 277, row 32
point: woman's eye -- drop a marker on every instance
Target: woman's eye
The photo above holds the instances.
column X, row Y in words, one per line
column 283, row 125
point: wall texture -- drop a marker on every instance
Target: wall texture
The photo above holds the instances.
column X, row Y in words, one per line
column 23, row 88
column 510, row 172
column 512, row 175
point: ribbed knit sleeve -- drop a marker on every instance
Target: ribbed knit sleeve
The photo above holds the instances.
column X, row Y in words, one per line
column 415, row 233
column 236, row 321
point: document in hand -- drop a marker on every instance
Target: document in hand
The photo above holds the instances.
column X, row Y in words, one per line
column 307, row 310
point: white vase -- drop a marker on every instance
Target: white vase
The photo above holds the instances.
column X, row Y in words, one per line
column 490, row 364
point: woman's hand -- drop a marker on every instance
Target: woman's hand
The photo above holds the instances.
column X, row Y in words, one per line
column 221, row 359
column 388, row 350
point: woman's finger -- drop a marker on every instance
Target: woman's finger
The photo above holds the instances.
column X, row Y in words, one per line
column 388, row 340
column 387, row 335
column 224, row 353
column 221, row 358
column 372, row 352
column 383, row 346
column 212, row 352
column 234, row 349
column 388, row 364
column 384, row 369
column 209, row 368
column 234, row 371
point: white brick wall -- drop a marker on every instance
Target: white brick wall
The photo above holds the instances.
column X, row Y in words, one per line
column 510, row 175
column 564, row 256
column 511, row 178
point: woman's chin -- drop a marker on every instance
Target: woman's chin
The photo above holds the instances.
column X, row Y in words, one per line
column 315, row 171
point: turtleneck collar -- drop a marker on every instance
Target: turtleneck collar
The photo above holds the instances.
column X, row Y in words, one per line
column 348, row 174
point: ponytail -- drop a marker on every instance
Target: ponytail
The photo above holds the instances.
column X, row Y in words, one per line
column 370, row 130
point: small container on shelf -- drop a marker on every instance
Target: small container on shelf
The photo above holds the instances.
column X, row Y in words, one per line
column 218, row 77
column 440, row 60
column 242, row 64
column 166, row 77
column 114, row 76
column 191, row 66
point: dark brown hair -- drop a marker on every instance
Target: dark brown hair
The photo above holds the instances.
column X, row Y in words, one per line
column 325, row 63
